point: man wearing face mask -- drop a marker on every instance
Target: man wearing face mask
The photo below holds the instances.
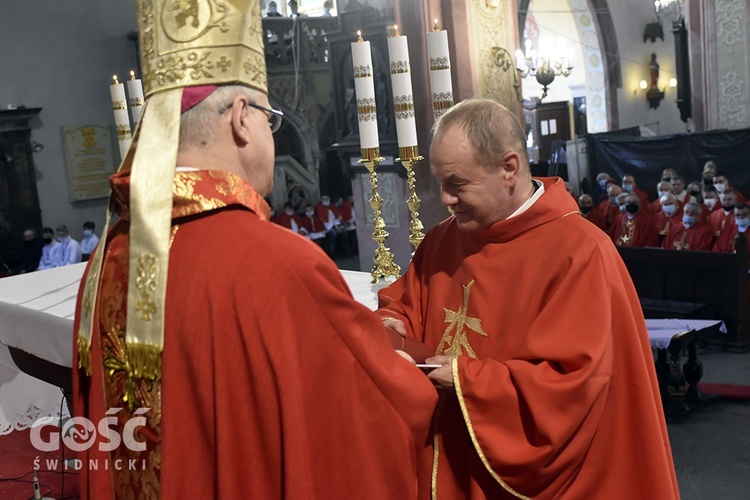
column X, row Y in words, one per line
column 313, row 228
column 669, row 215
column 32, row 251
column 691, row 233
column 727, row 241
column 629, row 186
column 668, row 175
column 663, row 188
column 272, row 12
column 589, row 212
column 50, row 250
column 710, row 201
column 634, row 228
column 331, row 217
column 70, row 249
column 722, row 220
column 288, row 218
column 89, row 241
column 722, row 184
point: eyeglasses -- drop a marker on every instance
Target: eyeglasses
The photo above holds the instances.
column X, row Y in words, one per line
column 274, row 115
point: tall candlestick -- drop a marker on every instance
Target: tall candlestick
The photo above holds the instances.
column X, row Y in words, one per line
column 135, row 93
column 440, row 70
column 406, row 127
column 122, row 121
column 365, row 91
column 368, row 141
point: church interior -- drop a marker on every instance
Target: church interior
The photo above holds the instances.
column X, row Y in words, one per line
column 632, row 87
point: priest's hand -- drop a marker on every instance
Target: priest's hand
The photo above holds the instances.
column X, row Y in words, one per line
column 396, row 325
column 442, row 377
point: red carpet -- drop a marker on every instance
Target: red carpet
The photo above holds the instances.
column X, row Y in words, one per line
column 729, row 391
column 17, row 457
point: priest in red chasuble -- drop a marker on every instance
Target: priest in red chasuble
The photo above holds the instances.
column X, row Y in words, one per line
column 691, row 233
column 635, row 228
column 225, row 353
column 548, row 387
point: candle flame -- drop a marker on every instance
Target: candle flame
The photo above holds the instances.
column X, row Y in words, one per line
column 395, row 30
column 114, row 77
column 359, row 36
column 436, row 27
column 132, row 74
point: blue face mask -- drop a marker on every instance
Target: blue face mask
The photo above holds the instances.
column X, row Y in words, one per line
column 87, row 233
column 603, row 183
column 688, row 220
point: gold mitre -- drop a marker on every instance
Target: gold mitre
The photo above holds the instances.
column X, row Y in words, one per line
column 183, row 43
column 200, row 42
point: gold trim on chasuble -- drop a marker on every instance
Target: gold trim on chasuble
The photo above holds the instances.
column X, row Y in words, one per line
column 467, row 419
column 453, row 345
column 626, row 237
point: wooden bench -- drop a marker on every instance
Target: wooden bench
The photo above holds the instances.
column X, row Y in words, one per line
column 698, row 285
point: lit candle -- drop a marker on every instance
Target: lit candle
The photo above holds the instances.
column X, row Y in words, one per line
column 403, row 97
column 365, row 91
column 135, row 92
column 120, row 108
column 440, row 70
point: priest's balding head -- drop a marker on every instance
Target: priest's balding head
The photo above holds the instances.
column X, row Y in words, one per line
column 479, row 155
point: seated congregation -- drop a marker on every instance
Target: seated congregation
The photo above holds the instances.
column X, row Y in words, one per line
column 706, row 215
column 329, row 223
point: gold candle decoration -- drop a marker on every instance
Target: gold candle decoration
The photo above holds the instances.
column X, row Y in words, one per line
column 370, row 147
column 406, row 127
column 135, row 93
column 383, row 260
column 440, row 70
column 122, row 121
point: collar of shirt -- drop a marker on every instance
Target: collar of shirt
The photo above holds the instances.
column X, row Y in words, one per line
column 539, row 191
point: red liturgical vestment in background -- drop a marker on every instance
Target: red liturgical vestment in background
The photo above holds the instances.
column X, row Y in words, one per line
column 555, row 388
column 275, row 382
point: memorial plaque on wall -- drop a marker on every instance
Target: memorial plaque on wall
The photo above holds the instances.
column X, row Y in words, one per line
column 90, row 159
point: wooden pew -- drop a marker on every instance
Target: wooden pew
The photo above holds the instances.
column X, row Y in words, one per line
column 699, row 285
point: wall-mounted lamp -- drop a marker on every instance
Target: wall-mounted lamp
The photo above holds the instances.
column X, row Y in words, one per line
column 543, row 68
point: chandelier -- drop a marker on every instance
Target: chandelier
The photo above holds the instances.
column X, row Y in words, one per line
column 666, row 6
column 543, row 66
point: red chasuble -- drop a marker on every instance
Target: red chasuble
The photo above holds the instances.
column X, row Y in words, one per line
column 555, row 388
column 720, row 221
column 275, row 382
column 285, row 220
column 640, row 231
column 726, row 243
column 697, row 237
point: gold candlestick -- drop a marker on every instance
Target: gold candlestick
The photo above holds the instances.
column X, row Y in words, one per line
column 408, row 158
column 383, row 261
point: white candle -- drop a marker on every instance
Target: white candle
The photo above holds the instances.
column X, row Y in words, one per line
column 365, row 91
column 403, row 98
column 120, row 108
column 135, row 93
column 440, row 71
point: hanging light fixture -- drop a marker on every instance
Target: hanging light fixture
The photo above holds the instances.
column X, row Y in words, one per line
column 543, row 67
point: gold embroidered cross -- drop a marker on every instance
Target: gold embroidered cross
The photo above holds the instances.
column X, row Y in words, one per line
column 452, row 345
